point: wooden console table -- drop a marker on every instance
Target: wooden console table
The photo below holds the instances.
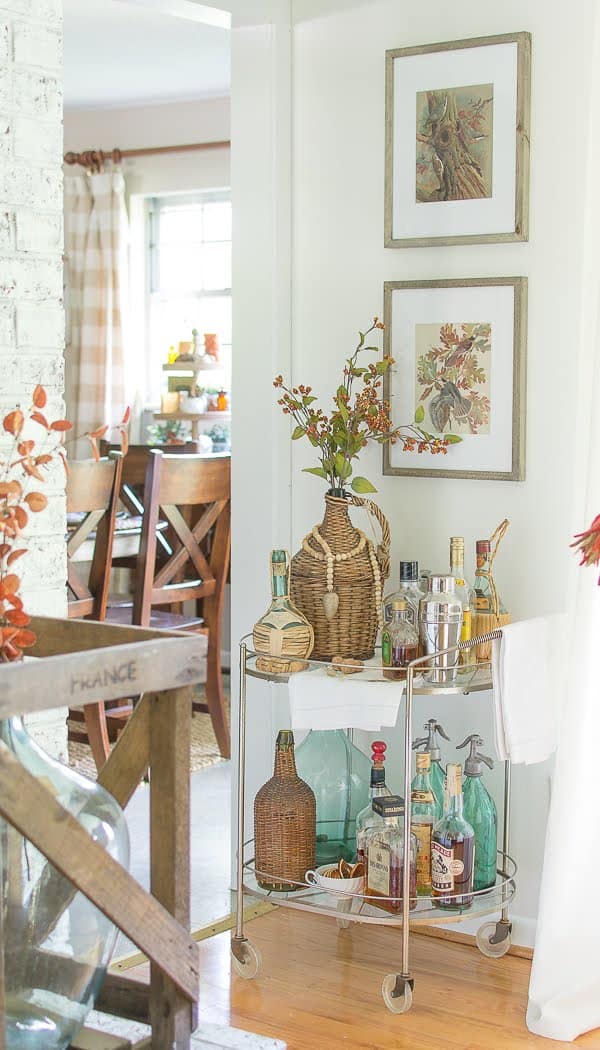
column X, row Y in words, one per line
column 82, row 662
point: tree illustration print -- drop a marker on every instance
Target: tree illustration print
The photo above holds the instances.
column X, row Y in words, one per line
column 454, row 144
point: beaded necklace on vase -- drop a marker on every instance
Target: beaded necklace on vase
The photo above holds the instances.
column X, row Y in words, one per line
column 331, row 599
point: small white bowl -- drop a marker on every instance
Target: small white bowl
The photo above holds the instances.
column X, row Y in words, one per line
column 340, row 888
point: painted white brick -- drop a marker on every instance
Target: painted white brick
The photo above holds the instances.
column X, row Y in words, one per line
column 35, row 141
column 37, row 233
column 23, row 372
column 40, row 187
column 6, row 138
column 50, row 602
column 30, row 278
column 36, row 94
column 6, row 230
column 35, row 45
column 4, row 42
column 7, row 325
column 5, row 88
column 45, row 564
column 45, row 10
column 40, row 326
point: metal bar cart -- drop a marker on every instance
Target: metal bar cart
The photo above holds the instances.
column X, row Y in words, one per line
column 493, row 937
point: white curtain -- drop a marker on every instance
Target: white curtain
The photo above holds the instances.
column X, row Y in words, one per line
column 564, row 991
column 96, row 246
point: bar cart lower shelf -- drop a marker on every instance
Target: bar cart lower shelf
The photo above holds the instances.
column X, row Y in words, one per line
column 493, row 937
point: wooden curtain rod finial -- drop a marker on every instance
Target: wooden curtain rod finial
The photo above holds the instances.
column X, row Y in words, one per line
column 89, row 158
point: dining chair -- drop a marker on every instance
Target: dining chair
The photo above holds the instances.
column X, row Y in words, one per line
column 193, row 494
column 92, row 499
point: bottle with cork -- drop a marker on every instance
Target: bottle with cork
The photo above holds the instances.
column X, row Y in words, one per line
column 399, row 642
column 453, row 848
column 464, row 592
column 367, row 818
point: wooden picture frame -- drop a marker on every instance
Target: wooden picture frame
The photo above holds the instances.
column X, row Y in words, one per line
column 457, row 142
column 464, row 339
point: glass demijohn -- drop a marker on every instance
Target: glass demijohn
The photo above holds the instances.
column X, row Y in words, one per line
column 340, row 775
column 57, row 944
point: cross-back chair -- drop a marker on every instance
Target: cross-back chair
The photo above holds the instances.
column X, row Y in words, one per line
column 192, row 493
column 92, row 491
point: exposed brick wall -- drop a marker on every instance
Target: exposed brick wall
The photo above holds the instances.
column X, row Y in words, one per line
column 31, row 272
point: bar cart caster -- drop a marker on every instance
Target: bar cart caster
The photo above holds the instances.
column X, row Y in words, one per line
column 245, row 958
column 397, row 992
column 494, row 938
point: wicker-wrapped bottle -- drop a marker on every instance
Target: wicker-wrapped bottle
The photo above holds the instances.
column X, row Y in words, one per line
column 283, row 635
column 284, row 822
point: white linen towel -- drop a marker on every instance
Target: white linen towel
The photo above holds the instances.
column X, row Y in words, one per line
column 528, row 675
column 320, row 701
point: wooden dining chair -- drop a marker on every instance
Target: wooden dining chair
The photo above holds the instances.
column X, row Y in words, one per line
column 193, row 494
column 92, row 492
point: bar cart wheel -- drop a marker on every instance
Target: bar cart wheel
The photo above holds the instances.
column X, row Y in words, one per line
column 246, row 960
column 397, row 992
column 493, row 939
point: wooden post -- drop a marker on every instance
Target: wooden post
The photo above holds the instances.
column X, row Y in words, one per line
column 171, row 1013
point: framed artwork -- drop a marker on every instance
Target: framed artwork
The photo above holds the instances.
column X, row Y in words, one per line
column 457, row 142
column 180, row 384
column 459, row 349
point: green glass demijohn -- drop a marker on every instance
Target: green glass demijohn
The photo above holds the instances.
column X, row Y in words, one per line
column 480, row 811
column 57, row 945
column 340, row 776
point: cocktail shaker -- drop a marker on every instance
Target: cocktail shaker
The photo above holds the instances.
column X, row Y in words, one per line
column 440, row 621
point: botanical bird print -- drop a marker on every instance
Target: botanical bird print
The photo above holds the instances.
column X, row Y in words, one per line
column 453, row 376
column 454, row 144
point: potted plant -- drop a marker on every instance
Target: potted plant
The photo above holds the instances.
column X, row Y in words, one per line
column 220, row 437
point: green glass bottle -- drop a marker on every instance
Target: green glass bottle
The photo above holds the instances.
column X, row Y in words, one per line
column 437, row 776
column 340, row 775
column 423, row 817
column 480, row 812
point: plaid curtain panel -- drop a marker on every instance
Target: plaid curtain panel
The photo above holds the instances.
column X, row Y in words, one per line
column 96, row 278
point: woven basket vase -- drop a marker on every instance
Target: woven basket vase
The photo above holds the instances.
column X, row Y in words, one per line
column 284, row 823
column 352, row 631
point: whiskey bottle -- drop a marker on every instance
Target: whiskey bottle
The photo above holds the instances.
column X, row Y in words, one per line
column 409, row 590
column 423, row 817
column 437, row 776
column 463, row 591
column 367, row 818
column 399, row 642
column 453, row 849
column 480, row 812
column 385, row 857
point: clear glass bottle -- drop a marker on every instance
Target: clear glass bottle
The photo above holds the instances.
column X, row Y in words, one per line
column 453, row 848
column 480, row 812
column 385, row 857
column 399, row 642
column 486, row 594
column 57, row 945
column 367, row 818
column 424, row 580
column 339, row 774
column 409, row 590
column 283, row 632
column 437, row 776
column 423, row 817
column 464, row 591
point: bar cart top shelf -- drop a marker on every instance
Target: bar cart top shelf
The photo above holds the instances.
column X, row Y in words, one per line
column 472, row 678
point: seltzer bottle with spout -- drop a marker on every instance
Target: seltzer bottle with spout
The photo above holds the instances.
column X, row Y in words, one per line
column 437, row 776
column 453, row 849
column 480, row 811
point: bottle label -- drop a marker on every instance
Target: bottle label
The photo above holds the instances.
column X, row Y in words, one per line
column 379, row 867
column 465, row 631
column 422, row 796
column 482, row 602
column 442, row 874
column 386, row 650
column 423, row 833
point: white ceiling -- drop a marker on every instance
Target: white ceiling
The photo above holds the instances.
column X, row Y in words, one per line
column 119, row 53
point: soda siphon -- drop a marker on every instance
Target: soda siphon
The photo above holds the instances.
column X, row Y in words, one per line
column 437, row 775
column 480, row 812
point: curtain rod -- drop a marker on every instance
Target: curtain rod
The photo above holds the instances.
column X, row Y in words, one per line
column 93, row 158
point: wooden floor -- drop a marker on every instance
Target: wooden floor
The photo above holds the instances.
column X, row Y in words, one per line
column 319, row 989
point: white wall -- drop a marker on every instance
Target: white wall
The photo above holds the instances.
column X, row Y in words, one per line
column 339, row 265
column 31, row 310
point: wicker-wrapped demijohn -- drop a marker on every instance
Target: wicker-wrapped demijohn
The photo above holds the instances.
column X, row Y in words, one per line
column 283, row 635
column 284, row 823
column 337, row 579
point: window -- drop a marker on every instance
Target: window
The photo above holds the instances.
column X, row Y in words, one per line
column 189, row 279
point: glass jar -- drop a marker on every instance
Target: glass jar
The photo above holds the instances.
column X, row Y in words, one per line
column 339, row 774
column 385, row 857
column 57, row 945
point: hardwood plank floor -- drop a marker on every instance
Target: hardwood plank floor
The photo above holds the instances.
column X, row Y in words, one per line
column 319, row 989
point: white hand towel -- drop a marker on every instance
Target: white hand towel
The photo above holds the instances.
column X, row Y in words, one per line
column 320, row 701
column 528, row 675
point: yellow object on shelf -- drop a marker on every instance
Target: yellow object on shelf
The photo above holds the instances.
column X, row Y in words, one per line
column 172, row 355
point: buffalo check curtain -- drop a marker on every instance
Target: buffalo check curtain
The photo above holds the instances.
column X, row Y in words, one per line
column 96, row 245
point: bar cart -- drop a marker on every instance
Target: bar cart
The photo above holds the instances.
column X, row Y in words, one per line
column 493, row 937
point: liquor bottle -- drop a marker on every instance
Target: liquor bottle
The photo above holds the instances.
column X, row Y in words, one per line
column 437, row 776
column 409, row 590
column 464, row 591
column 367, row 818
column 399, row 642
column 486, row 595
column 284, row 823
column 423, row 817
column 283, row 632
column 480, row 812
column 452, row 848
column 385, row 857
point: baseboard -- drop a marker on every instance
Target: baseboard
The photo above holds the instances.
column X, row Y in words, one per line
column 225, row 660
column 444, row 934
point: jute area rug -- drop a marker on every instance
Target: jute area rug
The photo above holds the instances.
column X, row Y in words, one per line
column 204, row 751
